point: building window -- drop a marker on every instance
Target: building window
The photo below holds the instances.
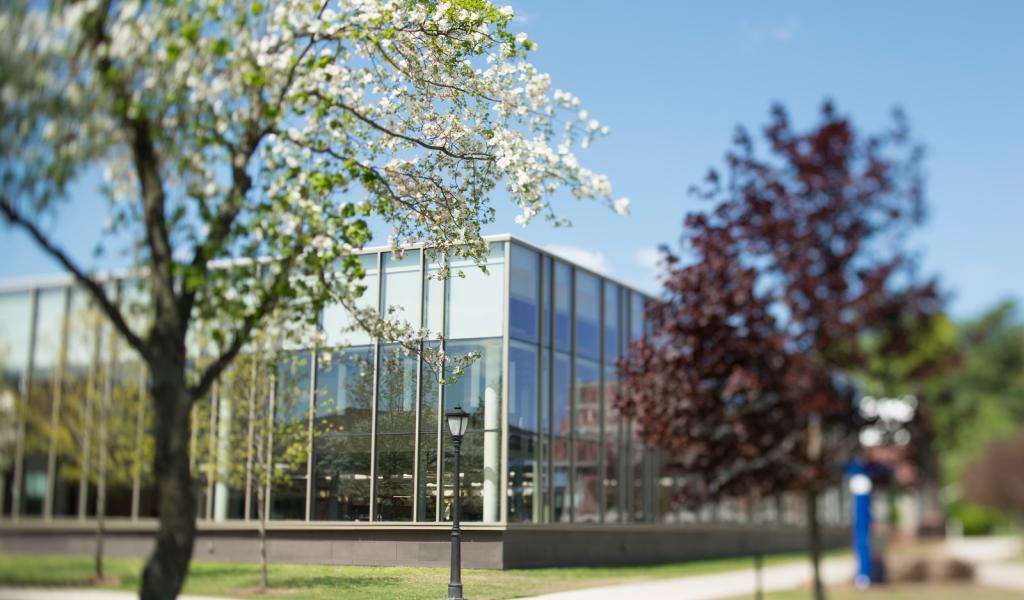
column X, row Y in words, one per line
column 478, row 392
column 341, row 440
column 562, row 286
column 339, row 327
column 523, row 431
column 430, row 426
column 476, row 303
column 396, row 434
column 611, row 323
column 588, row 315
column 587, row 442
column 524, row 294
column 290, row 435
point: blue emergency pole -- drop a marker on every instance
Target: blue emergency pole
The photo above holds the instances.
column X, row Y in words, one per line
column 860, row 487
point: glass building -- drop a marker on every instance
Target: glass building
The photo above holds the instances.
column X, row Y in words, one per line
column 545, row 447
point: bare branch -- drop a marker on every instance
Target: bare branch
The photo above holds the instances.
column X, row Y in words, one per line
column 95, row 289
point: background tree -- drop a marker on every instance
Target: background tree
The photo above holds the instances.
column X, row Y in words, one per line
column 94, row 428
column 747, row 372
column 996, row 479
column 230, row 130
column 267, row 433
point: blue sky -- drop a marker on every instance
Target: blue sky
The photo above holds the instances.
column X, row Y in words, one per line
column 673, row 79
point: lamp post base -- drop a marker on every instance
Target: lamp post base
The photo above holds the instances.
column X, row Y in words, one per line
column 455, row 592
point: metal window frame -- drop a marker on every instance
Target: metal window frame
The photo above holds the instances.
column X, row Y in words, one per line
column 373, row 400
column 504, row 366
column 17, row 484
column 419, row 394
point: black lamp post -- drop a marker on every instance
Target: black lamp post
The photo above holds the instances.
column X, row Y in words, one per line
column 458, row 422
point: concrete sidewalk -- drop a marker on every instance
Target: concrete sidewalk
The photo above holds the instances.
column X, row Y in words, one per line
column 718, row 585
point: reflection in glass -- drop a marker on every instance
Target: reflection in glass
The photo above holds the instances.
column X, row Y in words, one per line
column 338, row 325
column 523, row 431
column 396, row 429
column 291, row 419
column 588, row 315
column 341, row 440
column 587, row 430
column 430, row 427
column 475, row 298
column 478, row 392
column 636, row 316
column 562, row 286
column 15, row 328
column 402, row 293
column 562, row 427
column 611, row 323
column 524, row 293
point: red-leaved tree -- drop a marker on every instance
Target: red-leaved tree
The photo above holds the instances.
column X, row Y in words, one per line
column 746, row 376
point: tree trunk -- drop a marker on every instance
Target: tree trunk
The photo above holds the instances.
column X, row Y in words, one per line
column 98, row 558
column 176, row 502
column 758, row 573
column 814, row 533
column 262, row 510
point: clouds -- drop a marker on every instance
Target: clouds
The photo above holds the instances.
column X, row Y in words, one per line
column 779, row 33
column 648, row 259
column 594, row 260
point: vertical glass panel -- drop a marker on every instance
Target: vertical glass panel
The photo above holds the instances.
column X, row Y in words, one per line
column 613, row 456
column 637, row 472
column 37, row 411
column 611, row 323
column 561, row 424
column 239, row 403
column 523, row 431
column 588, row 315
column 118, row 412
column 545, row 482
column 433, row 297
column 338, row 323
column 563, row 306
column 290, row 434
column 341, row 441
column 562, row 429
column 547, row 318
column 478, row 392
column 15, row 321
column 636, row 316
column 76, row 468
column 402, row 292
column 588, row 399
column 396, row 434
column 587, row 445
column 476, row 298
column 524, row 294
column 429, row 428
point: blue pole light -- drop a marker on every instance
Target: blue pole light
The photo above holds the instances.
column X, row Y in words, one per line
column 860, row 487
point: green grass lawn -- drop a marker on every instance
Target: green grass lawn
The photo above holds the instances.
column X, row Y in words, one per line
column 932, row 591
column 369, row 583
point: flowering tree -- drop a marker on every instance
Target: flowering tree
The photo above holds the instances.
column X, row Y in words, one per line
column 230, row 130
column 747, row 373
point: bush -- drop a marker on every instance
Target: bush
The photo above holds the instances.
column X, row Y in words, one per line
column 977, row 519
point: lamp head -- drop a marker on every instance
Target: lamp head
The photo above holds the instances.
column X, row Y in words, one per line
column 458, row 421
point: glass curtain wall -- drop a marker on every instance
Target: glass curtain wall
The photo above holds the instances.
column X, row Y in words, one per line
column 356, row 430
column 571, row 459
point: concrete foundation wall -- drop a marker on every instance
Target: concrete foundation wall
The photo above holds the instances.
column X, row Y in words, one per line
column 494, row 548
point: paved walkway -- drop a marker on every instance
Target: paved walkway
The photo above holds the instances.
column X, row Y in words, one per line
column 718, row 585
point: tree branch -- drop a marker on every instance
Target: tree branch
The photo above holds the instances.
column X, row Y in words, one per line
column 244, row 331
column 95, row 289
